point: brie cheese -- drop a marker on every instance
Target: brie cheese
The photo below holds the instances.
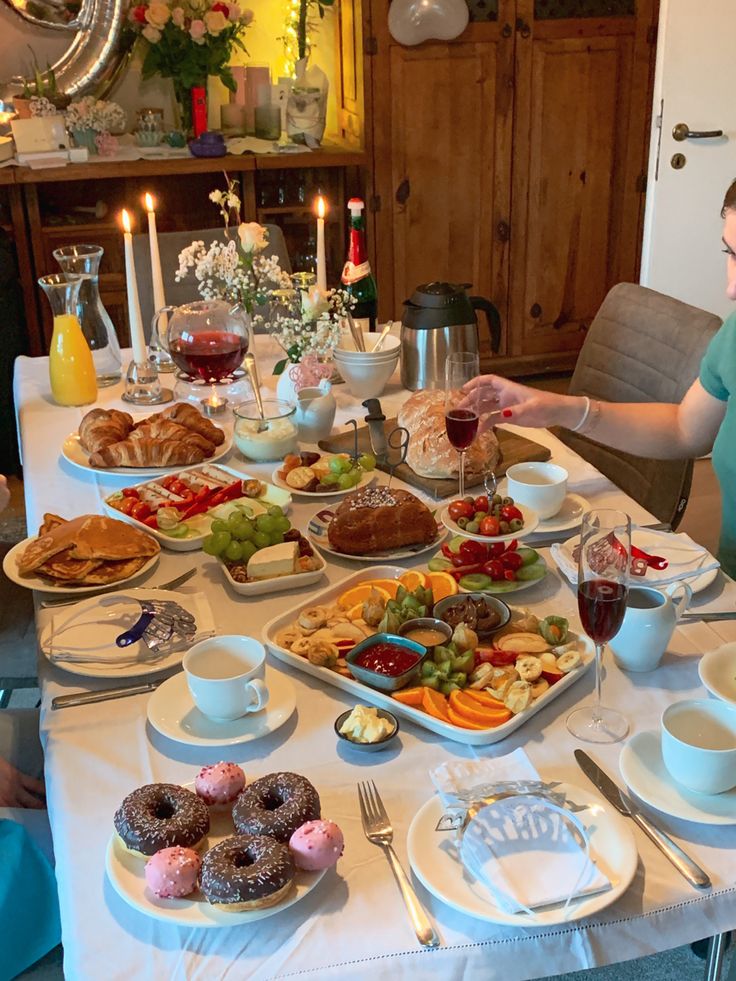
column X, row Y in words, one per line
column 276, row 560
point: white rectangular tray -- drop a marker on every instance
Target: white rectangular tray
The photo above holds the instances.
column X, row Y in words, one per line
column 263, row 587
column 363, row 693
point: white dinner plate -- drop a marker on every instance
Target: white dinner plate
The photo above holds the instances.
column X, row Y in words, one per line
column 10, row 568
column 90, row 627
column 317, row 533
column 365, row 480
column 531, row 520
column 78, row 457
column 717, row 670
column 612, row 847
column 172, row 712
column 643, row 769
column 126, row 873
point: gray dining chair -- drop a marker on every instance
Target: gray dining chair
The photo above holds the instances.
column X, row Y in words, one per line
column 170, row 245
column 641, row 347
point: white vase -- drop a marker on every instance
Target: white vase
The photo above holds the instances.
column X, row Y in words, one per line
column 285, row 387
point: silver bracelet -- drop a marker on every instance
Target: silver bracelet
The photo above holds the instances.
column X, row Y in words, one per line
column 586, row 413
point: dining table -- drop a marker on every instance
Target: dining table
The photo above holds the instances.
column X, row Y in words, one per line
column 353, row 924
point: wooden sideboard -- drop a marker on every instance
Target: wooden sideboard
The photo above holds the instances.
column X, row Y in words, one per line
column 45, row 209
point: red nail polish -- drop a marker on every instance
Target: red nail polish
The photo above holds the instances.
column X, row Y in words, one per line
column 507, row 413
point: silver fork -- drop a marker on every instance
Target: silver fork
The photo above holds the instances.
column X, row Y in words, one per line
column 378, row 830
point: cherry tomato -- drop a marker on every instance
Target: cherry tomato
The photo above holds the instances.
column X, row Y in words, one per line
column 140, row 511
column 509, row 512
column 481, row 503
column 130, row 492
column 180, row 488
column 489, row 526
column 510, row 575
column 461, row 509
column 494, row 569
column 473, row 552
column 127, row 504
column 168, row 481
column 496, row 549
column 511, row 560
column 151, row 521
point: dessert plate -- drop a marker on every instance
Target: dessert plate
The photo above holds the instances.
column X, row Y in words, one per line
column 172, row 712
column 717, row 671
column 531, row 520
column 78, row 457
column 365, row 480
column 643, row 769
column 612, row 847
column 126, row 873
column 10, row 568
column 317, row 533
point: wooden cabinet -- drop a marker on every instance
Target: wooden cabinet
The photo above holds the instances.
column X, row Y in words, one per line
column 513, row 158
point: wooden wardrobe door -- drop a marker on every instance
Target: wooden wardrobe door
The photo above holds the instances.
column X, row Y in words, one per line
column 442, row 117
column 583, row 93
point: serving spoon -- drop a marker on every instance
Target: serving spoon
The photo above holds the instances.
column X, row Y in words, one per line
column 250, row 366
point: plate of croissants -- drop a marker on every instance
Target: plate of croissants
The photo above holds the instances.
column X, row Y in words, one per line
column 111, row 441
column 82, row 555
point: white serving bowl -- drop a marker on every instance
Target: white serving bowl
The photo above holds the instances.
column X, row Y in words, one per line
column 366, row 380
column 390, row 345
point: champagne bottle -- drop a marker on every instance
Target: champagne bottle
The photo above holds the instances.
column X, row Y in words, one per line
column 357, row 277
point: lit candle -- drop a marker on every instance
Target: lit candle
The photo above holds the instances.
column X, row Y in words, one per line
column 214, row 405
column 159, row 300
column 321, row 263
column 137, row 336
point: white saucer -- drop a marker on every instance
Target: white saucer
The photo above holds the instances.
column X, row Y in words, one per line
column 717, row 670
column 172, row 712
column 643, row 769
column 569, row 516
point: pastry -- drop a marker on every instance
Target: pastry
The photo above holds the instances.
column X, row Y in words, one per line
column 276, row 805
column 247, row 872
column 220, row 783
column 173, row 872
column 316, row 845
column 187, row 415
column 100, row 428
column 379, row 519
column 160, row 815
column 148, row 453
column 166, row 429
column 430, row 453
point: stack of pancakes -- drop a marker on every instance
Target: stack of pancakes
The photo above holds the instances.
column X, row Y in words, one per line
column 86, row 551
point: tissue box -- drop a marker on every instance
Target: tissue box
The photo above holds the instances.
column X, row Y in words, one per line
column 40, row 134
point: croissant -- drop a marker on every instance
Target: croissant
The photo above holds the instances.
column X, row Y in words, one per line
column 148, row 453
column 100, row 428
column 167, row 429
column 187, row 415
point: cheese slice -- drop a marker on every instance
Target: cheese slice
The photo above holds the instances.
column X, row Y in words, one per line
column 276, row 560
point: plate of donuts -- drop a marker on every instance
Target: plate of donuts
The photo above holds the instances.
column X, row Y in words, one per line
column 215, row 859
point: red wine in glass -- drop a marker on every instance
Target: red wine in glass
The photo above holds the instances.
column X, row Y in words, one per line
column 209, row 354
column 602, row 605
column 461, row 426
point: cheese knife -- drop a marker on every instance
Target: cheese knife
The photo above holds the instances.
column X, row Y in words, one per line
column 624, row 805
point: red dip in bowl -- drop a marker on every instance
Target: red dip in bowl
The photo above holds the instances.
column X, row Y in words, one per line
column 388, row 659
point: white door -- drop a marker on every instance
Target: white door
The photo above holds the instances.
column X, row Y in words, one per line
column 694, row 84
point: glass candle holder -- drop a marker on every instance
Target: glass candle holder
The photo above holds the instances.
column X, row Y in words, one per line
column 268, row 122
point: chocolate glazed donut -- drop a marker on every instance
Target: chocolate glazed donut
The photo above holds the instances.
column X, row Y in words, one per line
column 247, row 872
column 160, row 815
column 276, row 805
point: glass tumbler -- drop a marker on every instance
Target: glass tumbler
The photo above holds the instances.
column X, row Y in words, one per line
column 97, row 327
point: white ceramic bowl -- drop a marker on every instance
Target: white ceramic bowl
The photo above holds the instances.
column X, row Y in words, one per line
column 366, row 381
column 699, row 744
column 360, row 359
column 370, row 339
column 541, row 486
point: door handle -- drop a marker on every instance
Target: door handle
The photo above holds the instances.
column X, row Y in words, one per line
column 682, row 132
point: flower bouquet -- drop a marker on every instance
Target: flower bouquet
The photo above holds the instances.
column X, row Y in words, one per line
column 187, row 40
column 93, row 121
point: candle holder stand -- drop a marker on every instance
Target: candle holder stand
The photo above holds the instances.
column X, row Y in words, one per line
column 213, row 398
column 142, row 386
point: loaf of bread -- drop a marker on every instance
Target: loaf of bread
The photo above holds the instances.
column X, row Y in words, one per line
column 380, row 519
column 430, row 452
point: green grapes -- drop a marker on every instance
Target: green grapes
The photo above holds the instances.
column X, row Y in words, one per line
column 234, row 552
column 367, row 461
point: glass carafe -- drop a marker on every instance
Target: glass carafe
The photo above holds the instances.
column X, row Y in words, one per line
column 97, row 327
column 207, row 339
column 71, row 368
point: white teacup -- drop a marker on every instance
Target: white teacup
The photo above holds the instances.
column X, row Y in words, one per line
column 699, row 745
column 225, row 676
column 540, row 486
column 315, row 412
column 649, row 622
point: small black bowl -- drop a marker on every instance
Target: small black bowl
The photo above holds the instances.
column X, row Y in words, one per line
column 369, row 747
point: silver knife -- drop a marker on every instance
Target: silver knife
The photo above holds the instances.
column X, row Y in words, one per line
column 707, row 617
column 376, row 430
column 624, row 805
column 172, row 584
column 104, row 695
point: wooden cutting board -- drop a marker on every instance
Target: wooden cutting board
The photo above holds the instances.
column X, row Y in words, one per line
column 514, row 449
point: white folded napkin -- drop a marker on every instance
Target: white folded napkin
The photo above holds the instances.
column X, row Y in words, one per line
column 86, row 632
column 526, row 851
column 686, row 559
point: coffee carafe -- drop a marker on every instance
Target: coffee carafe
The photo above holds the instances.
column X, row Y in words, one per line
column 439, row 320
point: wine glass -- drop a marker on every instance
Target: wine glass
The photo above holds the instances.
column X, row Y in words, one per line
column 603, row 574
column 461, row 423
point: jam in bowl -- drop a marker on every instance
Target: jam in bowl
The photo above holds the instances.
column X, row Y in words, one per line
column 386, row 661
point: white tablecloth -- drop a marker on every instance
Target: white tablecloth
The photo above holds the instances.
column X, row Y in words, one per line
column 354, row 924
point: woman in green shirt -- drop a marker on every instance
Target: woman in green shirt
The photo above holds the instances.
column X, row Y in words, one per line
column 705, row 420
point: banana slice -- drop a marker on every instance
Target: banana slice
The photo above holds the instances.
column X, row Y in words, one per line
column 288, row 637
column 539, row 687
column 568, row 662
column 301, row 646
column 518, row 697
column 529, row 667
column 571, row 645
column 313, row 618
column 300, row 477
column 481, row 677
column 548, row 660
column 501, row 680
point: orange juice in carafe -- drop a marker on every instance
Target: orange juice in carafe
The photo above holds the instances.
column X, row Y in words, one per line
column 71, row 368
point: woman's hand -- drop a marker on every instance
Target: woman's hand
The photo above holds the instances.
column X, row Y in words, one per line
column 4, row 493
column 18, row 789
column 521, row 405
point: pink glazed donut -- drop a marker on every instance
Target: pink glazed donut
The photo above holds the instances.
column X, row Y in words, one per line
column 219, row 784
column 316, row 845
column 172, row 872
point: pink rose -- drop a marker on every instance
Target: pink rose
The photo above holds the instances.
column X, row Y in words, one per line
column 177, row 16
column 197, row 30
column 216, row 22
column 246, row 17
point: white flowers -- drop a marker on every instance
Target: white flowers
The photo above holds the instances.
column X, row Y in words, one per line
column 253, row 237
column 40, row 106
column 96, row 114
column 314, row 303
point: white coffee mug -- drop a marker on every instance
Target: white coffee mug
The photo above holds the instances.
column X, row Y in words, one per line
column 699, row 745
column 540, row 486
column 315, row 412
column 649, row 622
column 225, row 676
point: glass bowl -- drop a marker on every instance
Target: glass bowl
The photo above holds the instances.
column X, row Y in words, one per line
column 274, row 442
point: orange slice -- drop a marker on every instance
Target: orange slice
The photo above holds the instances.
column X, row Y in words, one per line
column 484, row 698
column 442, row 584
column 435, row 704
column 390, row 585
column 410, row 696
column 355, row 612
column 461, row 721
column 474, row 711
column 412, row 579
column 360, row 593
